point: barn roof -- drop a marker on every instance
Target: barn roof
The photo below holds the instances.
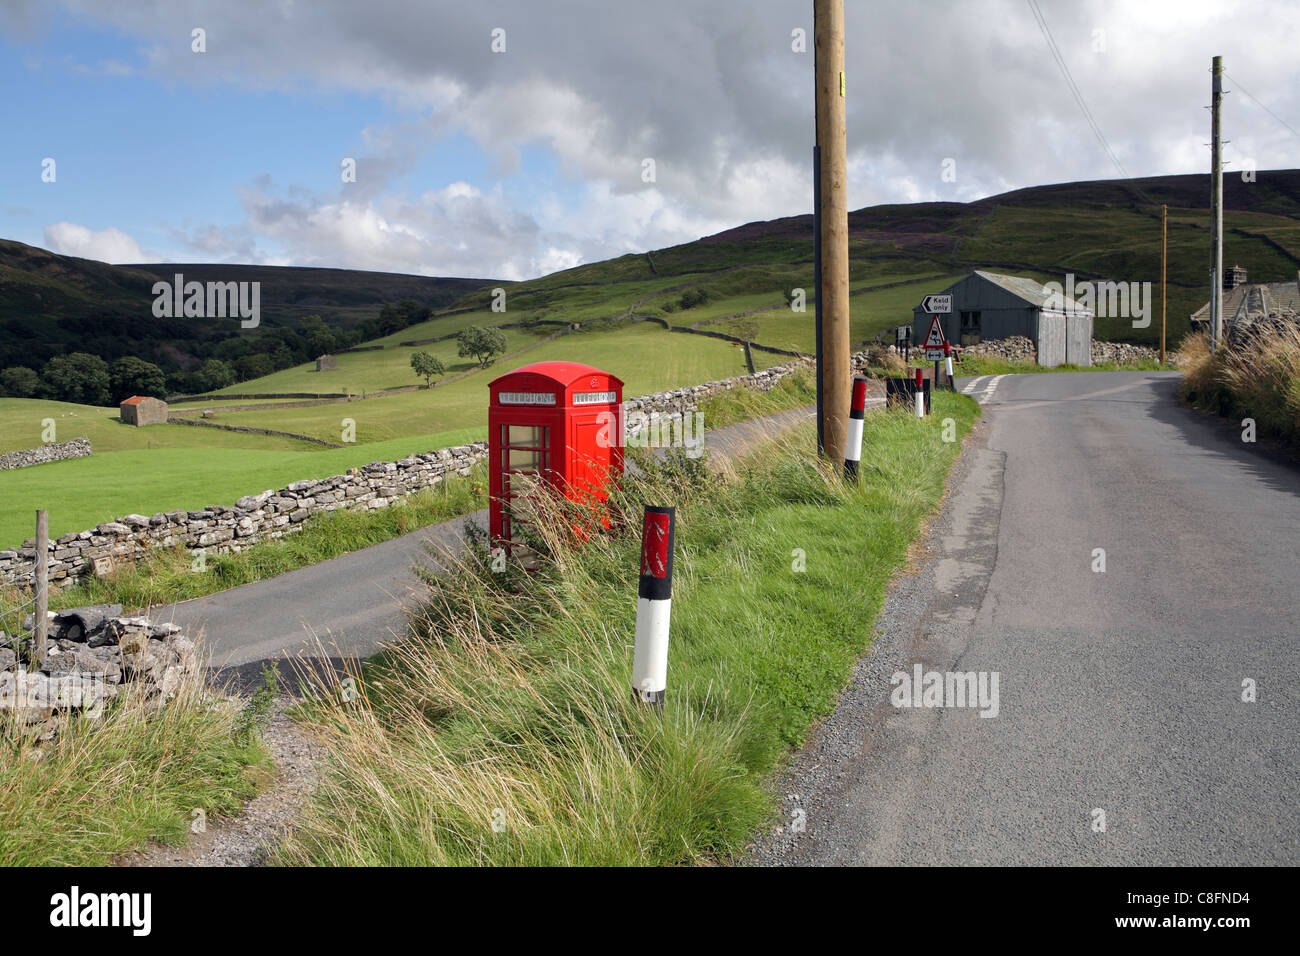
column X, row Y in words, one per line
column 137, row 399
column 1031, row 290
column 1027, row 290
column 1255, row 300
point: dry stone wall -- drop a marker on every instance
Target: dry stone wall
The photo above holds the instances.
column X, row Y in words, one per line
column 92, row 655
column 53, row 451
column 220, row 529
column 1019, row 348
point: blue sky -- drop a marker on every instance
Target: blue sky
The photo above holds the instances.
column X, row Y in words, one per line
column 516, row 162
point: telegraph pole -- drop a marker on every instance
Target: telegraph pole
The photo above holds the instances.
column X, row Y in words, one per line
column 1164, row 271
column 1216, row 203
column 833, row 291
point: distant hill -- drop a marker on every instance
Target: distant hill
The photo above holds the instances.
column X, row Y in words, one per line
column 51, row 304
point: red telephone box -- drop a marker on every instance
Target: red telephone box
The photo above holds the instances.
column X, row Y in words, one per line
column 558, row 422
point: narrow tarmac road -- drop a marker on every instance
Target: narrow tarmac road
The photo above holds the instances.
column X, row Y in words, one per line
column 1120, row 692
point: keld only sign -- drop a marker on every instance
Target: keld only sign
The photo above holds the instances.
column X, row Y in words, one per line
column 937, row 303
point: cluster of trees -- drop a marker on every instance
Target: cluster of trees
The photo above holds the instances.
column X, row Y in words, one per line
column 87, row 378
column 483, row 344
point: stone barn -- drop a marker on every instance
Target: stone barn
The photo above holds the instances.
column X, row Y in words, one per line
column 143, row 410
column 327, row 363
column 988, row 305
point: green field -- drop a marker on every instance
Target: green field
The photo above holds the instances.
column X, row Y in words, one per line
column 87, row 491
column 644, row 355
column 22, row 425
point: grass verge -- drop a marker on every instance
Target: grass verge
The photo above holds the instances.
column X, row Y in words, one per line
column 168, row 574
column 135, row 775
column 1257, row 377
column 504, row 731
column 741, row 404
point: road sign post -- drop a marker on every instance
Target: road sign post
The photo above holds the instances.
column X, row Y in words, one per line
column 936, row 344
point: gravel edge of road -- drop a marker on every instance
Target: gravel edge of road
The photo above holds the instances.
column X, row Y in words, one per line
column 248, row 837
column 811, row 781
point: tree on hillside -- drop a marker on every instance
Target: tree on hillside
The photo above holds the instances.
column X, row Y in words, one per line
column 395, row 316
column 693, row 297
column 427, row 366
column 252, row 366
column 134, row 376
column 484, row 344
column 19, row 382
column 215, row 374
column 76, row 377
column 321, row 339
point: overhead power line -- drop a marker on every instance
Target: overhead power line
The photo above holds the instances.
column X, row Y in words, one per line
column 1074, row 88
column 1261, row 105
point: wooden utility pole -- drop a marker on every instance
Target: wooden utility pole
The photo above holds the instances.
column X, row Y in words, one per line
column 42, row 584
column 833, row 378
column 1164, row 271
column 1216, row 203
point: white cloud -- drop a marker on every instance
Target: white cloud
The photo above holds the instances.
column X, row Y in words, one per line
column 721, row 103
column 106, row 245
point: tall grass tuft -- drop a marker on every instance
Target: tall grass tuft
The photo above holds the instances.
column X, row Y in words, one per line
column 1256, row 376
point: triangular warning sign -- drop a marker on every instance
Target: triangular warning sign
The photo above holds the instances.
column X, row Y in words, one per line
column 935, row 339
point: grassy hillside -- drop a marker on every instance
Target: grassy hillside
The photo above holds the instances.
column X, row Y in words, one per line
column 50, row 304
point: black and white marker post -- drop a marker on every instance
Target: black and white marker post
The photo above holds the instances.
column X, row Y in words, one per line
column 918, row 396
column 947, row 365
column 654, row 605
column 853, row 438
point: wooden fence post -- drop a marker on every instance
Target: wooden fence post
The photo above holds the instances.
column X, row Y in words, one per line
column 42, row 583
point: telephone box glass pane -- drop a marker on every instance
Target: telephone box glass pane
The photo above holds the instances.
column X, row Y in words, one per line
column 523, row 436
column 525, row 459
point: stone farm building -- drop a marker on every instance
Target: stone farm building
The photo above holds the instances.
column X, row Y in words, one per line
column 326, row 363
column 988, row 305
column 143, row 410
column 1250, row 303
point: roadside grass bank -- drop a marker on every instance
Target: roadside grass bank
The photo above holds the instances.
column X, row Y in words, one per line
column 1257, row 378
column 133, row 776
column 503, row 731
column 742, row 404
column 992, row 365
column 168, row 575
